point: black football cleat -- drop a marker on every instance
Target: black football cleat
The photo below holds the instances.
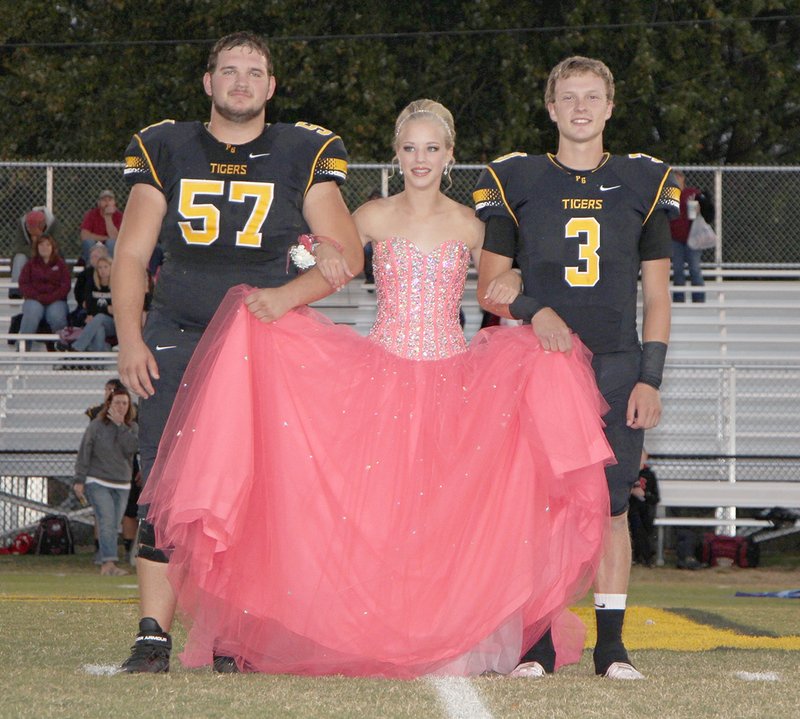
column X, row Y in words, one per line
column 150, row 653
column 225, row 665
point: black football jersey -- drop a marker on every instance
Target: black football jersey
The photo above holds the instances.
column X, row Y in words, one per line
column 233, row 211
column 580, row 237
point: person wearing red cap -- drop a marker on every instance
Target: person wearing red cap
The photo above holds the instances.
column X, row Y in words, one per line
column 32, row 225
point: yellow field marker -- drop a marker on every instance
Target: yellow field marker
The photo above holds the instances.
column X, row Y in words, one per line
column 648, row 628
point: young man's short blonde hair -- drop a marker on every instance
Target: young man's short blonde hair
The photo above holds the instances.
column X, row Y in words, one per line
column 578, row 65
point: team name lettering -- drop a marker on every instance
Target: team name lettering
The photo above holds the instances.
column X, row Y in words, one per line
column 581, row 203
column 219, row 168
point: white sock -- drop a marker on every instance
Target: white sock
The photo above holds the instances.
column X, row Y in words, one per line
column 610, row 601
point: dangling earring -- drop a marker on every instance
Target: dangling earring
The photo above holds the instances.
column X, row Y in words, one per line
column 446, row 173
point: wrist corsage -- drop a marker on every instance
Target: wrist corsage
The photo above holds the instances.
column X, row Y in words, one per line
column 301, row 258
column 302, row 255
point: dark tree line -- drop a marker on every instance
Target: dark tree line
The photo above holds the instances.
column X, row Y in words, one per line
column 698, row 81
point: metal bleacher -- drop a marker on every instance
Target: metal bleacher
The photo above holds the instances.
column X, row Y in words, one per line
column 747, row 327
column 732, row 382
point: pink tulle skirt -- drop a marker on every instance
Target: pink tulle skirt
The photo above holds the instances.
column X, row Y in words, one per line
column 335, row 509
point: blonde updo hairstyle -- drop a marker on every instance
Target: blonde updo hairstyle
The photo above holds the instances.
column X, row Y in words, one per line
column 427, row 110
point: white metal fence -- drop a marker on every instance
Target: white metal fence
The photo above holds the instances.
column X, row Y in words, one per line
column 729, row 421
column 757, row 218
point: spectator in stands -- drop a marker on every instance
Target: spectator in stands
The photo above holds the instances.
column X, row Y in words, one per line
column 99, row 313
column 92, row 413
column 32, row 225
column 693, row 202
column 130, row 521
column 84, row 284
column 103, row 471
column 101, row 224
column 113, row 384
column 99, row 331
column 44, row 283
column 642, row 513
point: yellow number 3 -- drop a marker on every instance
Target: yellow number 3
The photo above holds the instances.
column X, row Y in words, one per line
column 587, row 231
column 208, row 213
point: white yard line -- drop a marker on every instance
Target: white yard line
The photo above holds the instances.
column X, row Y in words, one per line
column 460, row 698
column 758, row 676
column 101, row 670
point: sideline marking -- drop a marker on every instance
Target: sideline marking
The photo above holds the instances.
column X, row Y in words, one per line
column 460, row 698
column 758, row 676
column 101, row 670
column 652, row 628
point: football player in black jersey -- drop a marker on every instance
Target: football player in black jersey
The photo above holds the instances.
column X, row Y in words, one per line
column 582, row 225
column 225, row 201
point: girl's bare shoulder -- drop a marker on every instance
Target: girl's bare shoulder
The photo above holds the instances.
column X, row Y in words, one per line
column 470, row 228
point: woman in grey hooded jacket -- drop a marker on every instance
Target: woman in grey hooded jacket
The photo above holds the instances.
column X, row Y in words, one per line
column 103, row 471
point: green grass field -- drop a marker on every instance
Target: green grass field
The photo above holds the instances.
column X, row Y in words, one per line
column 706, row 653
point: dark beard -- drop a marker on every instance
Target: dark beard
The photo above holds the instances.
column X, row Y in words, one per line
column 239, row 116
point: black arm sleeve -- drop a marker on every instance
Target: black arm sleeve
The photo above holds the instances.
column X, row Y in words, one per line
column 656, row 240
column 524, row 307
column 652, row 369
column 500, row 236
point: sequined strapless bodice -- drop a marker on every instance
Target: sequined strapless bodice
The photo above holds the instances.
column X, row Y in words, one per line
column 419, row 296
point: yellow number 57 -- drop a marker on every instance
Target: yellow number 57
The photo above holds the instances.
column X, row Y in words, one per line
column 209, row 214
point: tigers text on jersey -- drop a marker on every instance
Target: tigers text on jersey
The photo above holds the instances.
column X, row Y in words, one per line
column 233, row 211
column 580, row 239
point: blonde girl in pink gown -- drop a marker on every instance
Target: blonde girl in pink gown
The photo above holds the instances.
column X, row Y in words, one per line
column 395, row 505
